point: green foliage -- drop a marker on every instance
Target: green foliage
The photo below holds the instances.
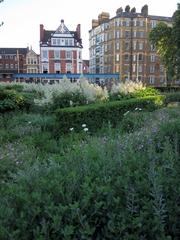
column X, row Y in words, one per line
column 171, row 131
column 94, row 116
column 148, row 91
column 106, row 188
column 132, row 121
column 68, row 99
column 172, row 97
column 11, row 99
column 114, row 186
column 166, row 40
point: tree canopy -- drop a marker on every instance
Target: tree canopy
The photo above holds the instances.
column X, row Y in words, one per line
column 1, row 22
column 166, row 39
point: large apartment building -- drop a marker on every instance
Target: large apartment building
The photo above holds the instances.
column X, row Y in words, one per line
column 121, row 45
column 61, row 50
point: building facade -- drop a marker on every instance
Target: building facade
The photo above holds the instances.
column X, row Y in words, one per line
column 121, row 45
column 12, row 60
column 61, row 50
column 32, row 62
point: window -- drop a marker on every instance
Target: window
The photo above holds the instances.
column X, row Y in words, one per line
column 140, row 68
column 141, row 23
column 68, row 67
column 71, row 42
column 12, row 66
column 152, row 69
column 66, row 42
column 127, row 46
column 140, row 57
column 117, row 34
column 1, row 66
column 141, row 45
column 151, row 79
column 45, row 67
column 153, row 23
column 7, row 65
column 117, row 46
column 141, row 34
column 127, row 34
column 57, row 67
column 134, row 68
column 44, row 54
column 68, row 55
column 134, row 34
column 126, row 57
column 57, row 54
column 152, row 58
column 53, row 41
column 58, row 41
column 152, row 47
column 134, row 58
column 117, row 57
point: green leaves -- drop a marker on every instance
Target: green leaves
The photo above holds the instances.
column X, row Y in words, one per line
column 167, row 42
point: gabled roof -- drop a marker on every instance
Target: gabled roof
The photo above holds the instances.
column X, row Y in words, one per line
column 62, row 29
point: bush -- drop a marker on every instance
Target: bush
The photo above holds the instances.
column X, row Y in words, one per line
column 172, row 97
column 94, row 116
column 101, row 190
column 13, row 100
column 171, row 132
column 68, row 99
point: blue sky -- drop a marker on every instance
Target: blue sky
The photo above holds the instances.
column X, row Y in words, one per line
column 22, row 17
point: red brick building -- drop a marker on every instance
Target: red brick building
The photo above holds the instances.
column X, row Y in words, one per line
column 12, row 60
column 61, row 50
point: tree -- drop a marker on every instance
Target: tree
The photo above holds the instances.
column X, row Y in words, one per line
column 166, row 39
column 1, row 22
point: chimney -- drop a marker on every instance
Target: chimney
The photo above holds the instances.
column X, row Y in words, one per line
column 144, row 10
column 103, row 17
column 41, row 32
column 78, row 30
column 95, row 23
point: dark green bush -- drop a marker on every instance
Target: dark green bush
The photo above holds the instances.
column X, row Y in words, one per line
column 133, row 121
column 94, row 116
column 170, row 131
column 13, row 100
column 172, row 97
column 94, row 193
column 68, row 99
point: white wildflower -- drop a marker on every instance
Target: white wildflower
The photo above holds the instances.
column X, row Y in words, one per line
column 83, row 125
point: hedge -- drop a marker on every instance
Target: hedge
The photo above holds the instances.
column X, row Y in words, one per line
column 96, row 115
column 172, row 97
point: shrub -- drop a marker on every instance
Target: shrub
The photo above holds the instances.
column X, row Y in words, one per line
column 101, row 190
column 94, row 116
column 172, row 97
column 67, row 93
column 125, row 90
column 68, row 99
column 170, row 131
column 13, row 100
